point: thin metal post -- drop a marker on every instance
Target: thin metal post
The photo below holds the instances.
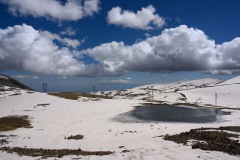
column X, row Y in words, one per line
column 152, row 95
column 44, row 87
column 3, row 91
column 216, row 99
column 94, row 89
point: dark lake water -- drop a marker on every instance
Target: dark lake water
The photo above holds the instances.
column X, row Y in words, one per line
column 171, row 113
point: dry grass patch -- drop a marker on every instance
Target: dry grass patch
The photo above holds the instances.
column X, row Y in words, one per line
column 46, row 153
column 75, row 96
column 13, row 122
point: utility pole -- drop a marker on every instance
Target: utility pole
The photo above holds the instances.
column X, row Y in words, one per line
column 94, row 89
column 3, row 89
column 215, row 98
column 152, row 95
column 44, row 87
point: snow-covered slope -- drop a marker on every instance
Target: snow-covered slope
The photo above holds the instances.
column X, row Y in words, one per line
column 200, row 92
column 55, row 118
column 235, row 80
column 224, row 94
column 60, row 118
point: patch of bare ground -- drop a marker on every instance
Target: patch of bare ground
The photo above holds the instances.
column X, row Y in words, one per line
column 52, row 152
column 76, row 137
column 29, row 92
column 75, row 96
column 125, row 151
column 153, row 102
column 4, row 139
column 186, row 104
column 13, row 122
column 230, row 128
column 43, row 105
column 226, row 128
column 213, row 140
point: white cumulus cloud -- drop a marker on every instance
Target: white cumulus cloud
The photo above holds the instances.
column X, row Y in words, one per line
column 119, row 81
column 68, row 31
column 62, row 78
column 25, row 76
column 54, row 9
column 145, row 19
column 24, row 48
column 74, row 43
column 175, row 49
column 223, row 72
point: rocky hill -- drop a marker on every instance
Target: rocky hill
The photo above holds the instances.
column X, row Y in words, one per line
column 13, row 83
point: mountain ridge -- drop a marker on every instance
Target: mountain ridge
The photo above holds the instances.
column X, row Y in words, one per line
column 11, row 82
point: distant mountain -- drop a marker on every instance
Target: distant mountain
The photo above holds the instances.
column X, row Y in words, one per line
column 11, row 82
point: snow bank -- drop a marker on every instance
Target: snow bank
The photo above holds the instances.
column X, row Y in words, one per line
column 55, row 118
column 60, row 118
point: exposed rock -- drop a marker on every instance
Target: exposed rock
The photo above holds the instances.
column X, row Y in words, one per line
column 209, row 140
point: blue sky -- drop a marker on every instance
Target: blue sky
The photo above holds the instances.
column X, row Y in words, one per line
column 73, row 45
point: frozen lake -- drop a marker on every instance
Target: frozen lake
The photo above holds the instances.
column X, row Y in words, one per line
column 171, row 113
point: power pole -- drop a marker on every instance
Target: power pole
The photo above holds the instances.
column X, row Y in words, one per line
column 152, row 95
column 44, row 87
column 3, row 89
column 215, row 98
